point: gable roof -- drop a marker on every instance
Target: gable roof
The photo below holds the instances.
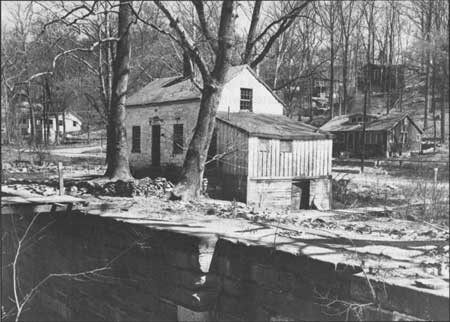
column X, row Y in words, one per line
column 272, row 126
column 178, row 88
column 382, row 123
column 168, row 89
column 388, row 121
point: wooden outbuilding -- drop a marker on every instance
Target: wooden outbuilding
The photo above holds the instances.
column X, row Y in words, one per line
column 274, row 161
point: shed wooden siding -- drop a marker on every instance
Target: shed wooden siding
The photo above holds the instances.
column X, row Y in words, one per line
column 308, row 159
column 235, row 141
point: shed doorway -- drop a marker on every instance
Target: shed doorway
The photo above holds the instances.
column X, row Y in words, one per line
column 300, row 194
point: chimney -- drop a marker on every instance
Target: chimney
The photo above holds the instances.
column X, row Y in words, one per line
column 187, row 65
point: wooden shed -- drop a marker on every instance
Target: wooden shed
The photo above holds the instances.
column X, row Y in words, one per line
column 273, row 161
column 386, row 135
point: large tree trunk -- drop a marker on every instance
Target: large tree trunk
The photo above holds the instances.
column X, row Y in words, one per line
column 118, row 165
column 252, row 32
column 194, row 163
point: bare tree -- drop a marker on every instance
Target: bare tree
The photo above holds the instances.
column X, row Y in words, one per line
column 368, row 10
column 328, row 13
column 348, row 20
column 111, row 68
column 291, row 10
column 118, row 165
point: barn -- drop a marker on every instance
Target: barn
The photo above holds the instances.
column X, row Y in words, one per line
column 273, row 161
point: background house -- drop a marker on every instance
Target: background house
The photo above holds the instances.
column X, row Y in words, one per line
column 56, row 123
column 386, row 135
column 273, row 161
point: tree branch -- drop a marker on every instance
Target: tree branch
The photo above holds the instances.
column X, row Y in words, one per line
column 286, row 22
column 198, row 4
column 62, row 19
column 186, row 41
column 67, row 52
column 251, row 32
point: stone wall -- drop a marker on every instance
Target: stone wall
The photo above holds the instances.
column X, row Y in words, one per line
column 155, row 274
column 169, row 114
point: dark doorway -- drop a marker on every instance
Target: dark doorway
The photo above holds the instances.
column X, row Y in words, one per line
column 156, row 145
column 300, row 194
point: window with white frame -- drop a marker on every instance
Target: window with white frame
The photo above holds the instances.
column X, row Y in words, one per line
column 246, row 99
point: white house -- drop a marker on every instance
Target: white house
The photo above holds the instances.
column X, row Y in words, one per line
column 58, row 123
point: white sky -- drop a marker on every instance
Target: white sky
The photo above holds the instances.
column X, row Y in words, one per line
column 6, row 7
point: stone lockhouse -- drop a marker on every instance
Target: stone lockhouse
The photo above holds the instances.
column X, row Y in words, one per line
column 278, row 162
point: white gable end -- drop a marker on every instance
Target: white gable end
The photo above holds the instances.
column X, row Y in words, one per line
column 263, row 100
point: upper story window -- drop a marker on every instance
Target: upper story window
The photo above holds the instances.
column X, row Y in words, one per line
column 264, row 145
column 60, row 123
column 286, row 146
column 75, row 123
column 246, row 99
column 136, row 139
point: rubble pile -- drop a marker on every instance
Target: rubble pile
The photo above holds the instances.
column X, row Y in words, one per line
column 144, row 187
column 136, row 188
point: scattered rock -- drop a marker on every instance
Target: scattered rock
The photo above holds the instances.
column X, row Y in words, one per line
column 428, row 233
column 73, row 190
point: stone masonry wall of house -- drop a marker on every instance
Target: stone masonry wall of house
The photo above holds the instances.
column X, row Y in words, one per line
column 159, row 275
column 174, row 113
